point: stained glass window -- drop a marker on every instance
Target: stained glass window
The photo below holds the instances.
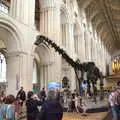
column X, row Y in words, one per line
column 2, row 68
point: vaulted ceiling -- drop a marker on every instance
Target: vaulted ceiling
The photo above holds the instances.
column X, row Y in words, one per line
column 105, row 18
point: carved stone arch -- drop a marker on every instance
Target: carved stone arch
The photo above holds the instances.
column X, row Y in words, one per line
column 44, row 53
column 13, row 33
column 44, row 58
column 67, row 16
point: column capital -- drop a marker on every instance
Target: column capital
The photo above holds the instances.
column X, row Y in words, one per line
column 50, row 4
column 15, row 54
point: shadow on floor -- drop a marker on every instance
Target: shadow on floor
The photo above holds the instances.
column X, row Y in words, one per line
column 108, row 116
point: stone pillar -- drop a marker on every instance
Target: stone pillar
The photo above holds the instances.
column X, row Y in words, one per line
column 50, row 20
column 71, row 37
column 19, row 72
column 26, row 71
column 65, row 35
column 23, row 10
column 45, row 75
column 50, row 26
column 13, row 73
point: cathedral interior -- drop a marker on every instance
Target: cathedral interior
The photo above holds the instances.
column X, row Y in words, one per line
column 87, row 31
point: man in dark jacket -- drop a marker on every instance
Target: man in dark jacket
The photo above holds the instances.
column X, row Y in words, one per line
column 21, row 94
column 33, row 106
column 43, row 94
column 51, row 110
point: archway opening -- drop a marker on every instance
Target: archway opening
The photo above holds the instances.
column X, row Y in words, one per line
column 10, row 44
column 41, row 65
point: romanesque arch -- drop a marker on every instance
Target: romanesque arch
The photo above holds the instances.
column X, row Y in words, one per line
column 12, row 45
column 43, row 59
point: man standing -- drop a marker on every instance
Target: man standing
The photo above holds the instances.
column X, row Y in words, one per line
column 21, row 94
column 43, row 95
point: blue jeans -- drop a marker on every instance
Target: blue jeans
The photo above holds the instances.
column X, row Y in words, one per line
column 114, row 113
column 117, row 108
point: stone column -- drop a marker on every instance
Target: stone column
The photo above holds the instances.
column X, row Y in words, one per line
column 65, row 35
column 26, row 71
column 50, row 19
column 45, row 75
column 50, row 26
column 23, row 10
column 19, row 71
column 71, row 37
column 13, row 73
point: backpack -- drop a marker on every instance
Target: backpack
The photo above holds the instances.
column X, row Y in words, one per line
column 117, row 97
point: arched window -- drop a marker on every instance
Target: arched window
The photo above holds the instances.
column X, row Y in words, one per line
column 4, row 5
column 2, row 68
column 34, row 72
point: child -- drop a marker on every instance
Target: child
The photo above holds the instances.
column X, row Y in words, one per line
column 69, row 102
column 77, row 102
column 83, row 106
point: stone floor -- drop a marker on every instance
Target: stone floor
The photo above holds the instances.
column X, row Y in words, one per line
column 90, row 116
column 76, row 116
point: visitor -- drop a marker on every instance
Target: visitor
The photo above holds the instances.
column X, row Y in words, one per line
column 10, row 112
column 18, row 107
column 83, row 106
column 43, row 94
column 111, row 100
column 33, row 106
column 1, row 109
column 21, row 94
column 77, row 102
column 3, row 95
column 5, row 106
column 51, row 109
column 84, row 87
column 69, row 102
column 117, row 100
column 73, row 102
column 114, row 100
